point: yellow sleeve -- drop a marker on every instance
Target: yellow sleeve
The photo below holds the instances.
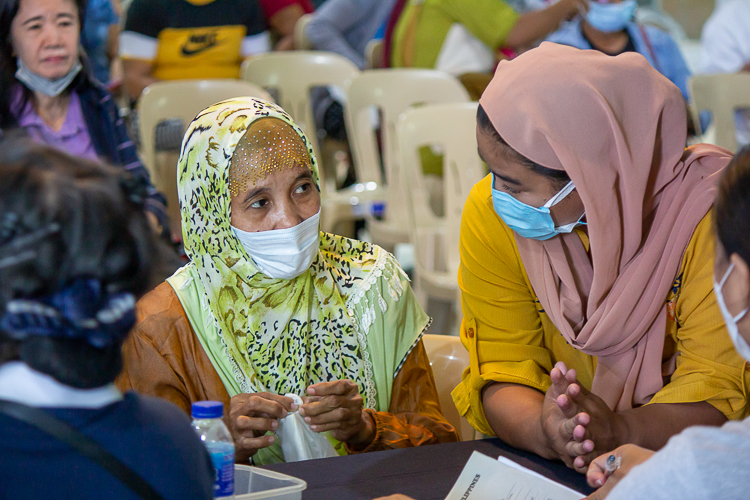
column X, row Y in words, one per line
column 491, row 21
column 501, row 329
column 707, row 366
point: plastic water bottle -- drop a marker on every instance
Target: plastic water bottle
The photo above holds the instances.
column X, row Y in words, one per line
column 210, row 427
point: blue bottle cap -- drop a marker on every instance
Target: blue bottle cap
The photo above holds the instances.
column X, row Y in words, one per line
column 208, row 409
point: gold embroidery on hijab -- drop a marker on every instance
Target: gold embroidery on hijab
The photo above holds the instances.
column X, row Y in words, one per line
column 269, row 145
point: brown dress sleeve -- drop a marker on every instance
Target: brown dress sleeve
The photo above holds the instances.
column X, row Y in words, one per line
column 414, row 417
column 163, row 358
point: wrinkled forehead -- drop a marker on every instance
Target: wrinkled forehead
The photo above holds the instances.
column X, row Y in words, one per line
column 270, row 145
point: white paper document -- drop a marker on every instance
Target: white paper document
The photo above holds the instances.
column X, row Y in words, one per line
column 484, row 478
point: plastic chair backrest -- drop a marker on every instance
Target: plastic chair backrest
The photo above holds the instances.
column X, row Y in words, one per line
column 180, row 99
column 375, row 54
column 184, row 99
column 291, row 75
column 453, row 127
column 392, row 91
column 448, row 359
column 301, row 41
column 721, row 94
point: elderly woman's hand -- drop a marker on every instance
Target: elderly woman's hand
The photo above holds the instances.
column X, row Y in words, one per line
column 630, row 455
column 251, row 416
column 337, row 407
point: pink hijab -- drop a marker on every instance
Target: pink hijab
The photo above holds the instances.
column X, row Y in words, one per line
column 618, row 128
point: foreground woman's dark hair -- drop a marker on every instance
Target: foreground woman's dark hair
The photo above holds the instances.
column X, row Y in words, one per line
column 64, row 219
column 732, row 206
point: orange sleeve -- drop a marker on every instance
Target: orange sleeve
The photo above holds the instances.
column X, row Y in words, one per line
column 414, row 417
column 163, row 358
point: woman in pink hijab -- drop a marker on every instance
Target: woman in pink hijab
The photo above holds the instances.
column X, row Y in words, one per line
column 586, row 262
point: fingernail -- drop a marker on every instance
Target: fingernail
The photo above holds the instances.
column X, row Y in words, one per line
column 295, row 407
column 308, row 419
column 284, row 413
column 274, row 424
column 599, row 482
column 272, row 439
column 313, row 427
column 310, row 390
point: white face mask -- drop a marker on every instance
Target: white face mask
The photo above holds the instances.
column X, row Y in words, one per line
column 283, row 253
column 739, row 342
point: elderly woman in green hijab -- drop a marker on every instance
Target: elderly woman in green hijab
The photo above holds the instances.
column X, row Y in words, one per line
column 269, row 305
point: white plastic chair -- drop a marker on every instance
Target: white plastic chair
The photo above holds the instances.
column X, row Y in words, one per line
column 180, row 99
column 301, row 41
column 375, row 54
column 291, row 75
column 448, row 359
column 453, row 127
column 722, row 95
column 392, row 91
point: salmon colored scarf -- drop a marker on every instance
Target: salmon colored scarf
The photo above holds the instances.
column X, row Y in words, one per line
column 618, row 128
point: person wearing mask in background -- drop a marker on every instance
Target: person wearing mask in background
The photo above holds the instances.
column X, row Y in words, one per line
column 609, row 26
column 701, row 462
column 586, row 260
column 49, row 92
column 269, row 305
column 725, row 48
column 75, row 253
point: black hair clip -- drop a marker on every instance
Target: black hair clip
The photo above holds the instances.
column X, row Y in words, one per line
column 135, row 188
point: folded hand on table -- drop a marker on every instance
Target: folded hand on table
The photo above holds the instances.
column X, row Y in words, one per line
column 337, row 407
column 584, row 419
column 599, row 429
column 560, row 421
column 597, row 476
column 251, row 416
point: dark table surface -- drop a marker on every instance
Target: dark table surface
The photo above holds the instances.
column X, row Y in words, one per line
column 424, row 473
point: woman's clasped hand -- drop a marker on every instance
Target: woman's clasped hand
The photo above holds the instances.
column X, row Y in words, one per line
column 337, row 407
column 578, row 425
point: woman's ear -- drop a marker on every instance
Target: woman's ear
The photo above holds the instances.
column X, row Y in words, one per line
column 741, row 285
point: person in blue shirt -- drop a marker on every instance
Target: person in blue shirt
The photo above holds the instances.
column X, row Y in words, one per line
column 75, row 251
column 609, row 27
column 99, row 37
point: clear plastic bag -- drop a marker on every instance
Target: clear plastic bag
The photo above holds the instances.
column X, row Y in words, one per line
column 298, row 442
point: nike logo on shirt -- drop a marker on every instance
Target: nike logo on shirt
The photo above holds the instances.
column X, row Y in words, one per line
column 198, row 43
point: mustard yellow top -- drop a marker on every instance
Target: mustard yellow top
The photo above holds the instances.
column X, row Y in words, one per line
column 510, row 338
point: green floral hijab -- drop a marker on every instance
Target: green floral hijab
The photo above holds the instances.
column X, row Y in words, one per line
column 280, row 335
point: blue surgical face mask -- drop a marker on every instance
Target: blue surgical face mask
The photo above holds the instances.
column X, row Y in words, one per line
column 610, row 17
column 531, row 222
column 51, row 88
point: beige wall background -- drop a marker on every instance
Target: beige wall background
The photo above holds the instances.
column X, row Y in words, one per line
column 691, row 14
